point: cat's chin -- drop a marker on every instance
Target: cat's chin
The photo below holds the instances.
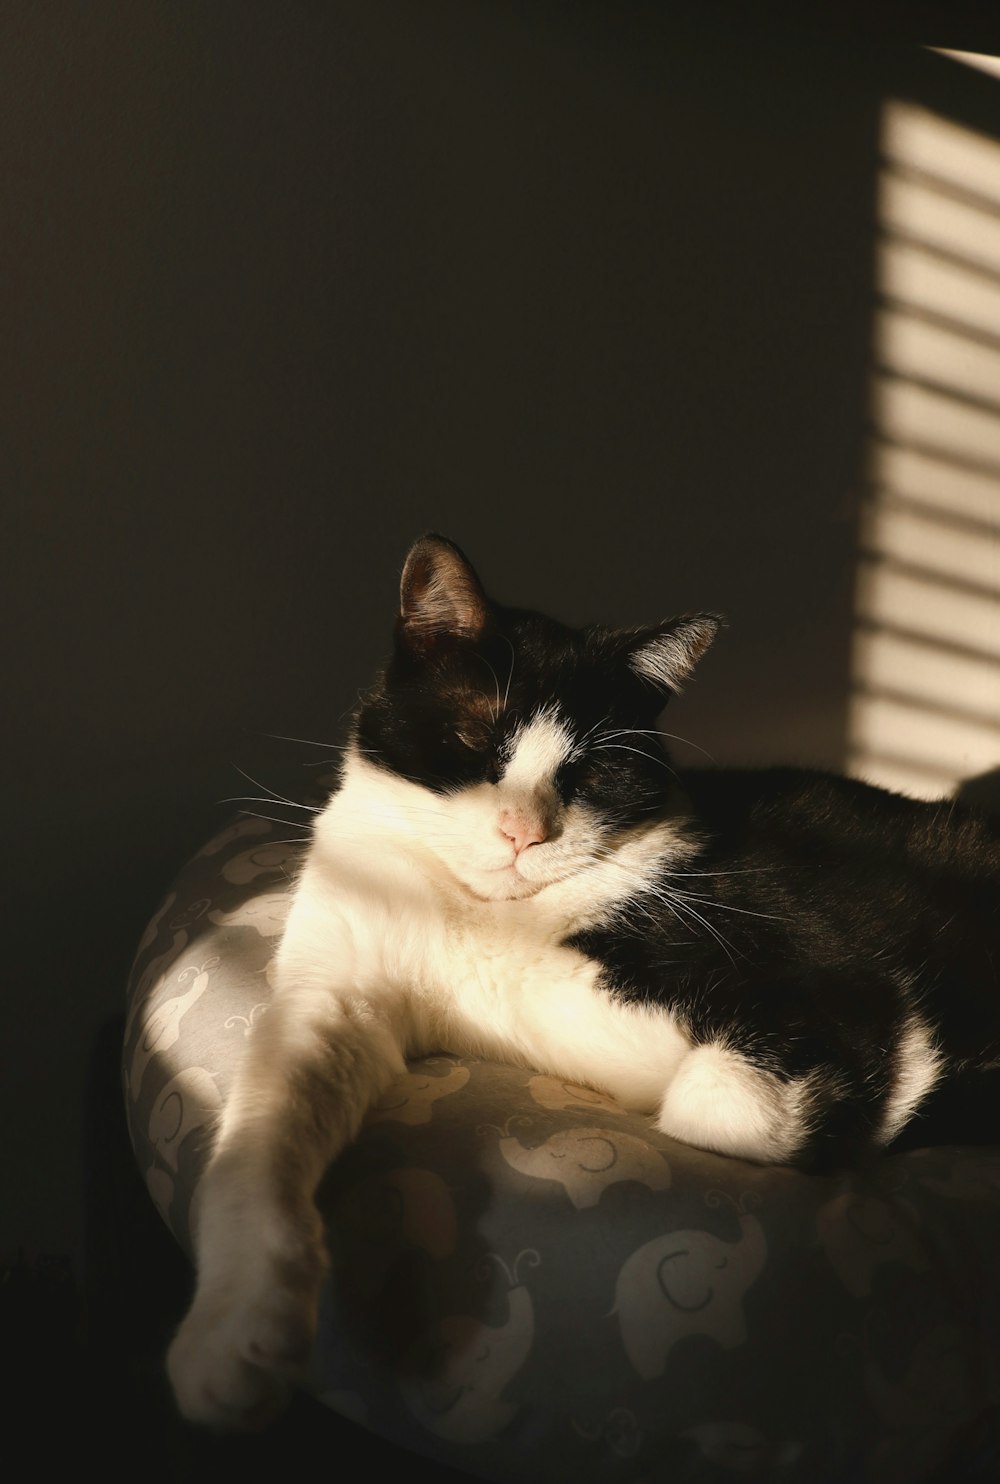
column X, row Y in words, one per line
column 503, row 885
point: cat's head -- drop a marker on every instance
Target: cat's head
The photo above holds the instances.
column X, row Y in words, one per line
column 518, row 747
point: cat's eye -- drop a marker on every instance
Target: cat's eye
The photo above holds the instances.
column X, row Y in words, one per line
column 470, row 744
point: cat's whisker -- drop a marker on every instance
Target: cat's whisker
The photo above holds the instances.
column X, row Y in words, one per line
column 278, row 798
column 636, row 905
column 309, row 742
column 685, row 741
column 676, row 902
column 510, row 672
column 484, row 661
column 659, row 733
column 728, row 907
column 597, row 724
column 677, row 907
column 272, row 819
column 644, row 888
column 494, row 711
column 630, row 732
column 254, row 799
column 639, row 900
column 688, row 743
column 649, row 756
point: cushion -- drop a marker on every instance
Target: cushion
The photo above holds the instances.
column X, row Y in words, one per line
column 529, row 1282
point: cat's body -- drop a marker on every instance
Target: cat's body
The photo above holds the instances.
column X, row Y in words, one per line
column 779, row 966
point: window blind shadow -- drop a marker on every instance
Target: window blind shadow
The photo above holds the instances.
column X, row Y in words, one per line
column 924, row 706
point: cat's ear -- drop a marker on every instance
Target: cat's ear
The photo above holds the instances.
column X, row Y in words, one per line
column 440, row 596
column 665, row 656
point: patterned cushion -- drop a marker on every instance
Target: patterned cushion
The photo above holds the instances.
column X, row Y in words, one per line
column 530, row 1283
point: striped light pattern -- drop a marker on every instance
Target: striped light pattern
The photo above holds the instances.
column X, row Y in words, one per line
column 925, row 704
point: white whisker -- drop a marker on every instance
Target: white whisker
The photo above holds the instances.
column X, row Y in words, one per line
column 253, row 799
column 658, row 732
column 278, row 798
column 308, row 742
column 621, row 747
column 272, row 819
column 728, row 907
column 510, row 672
column 494, row 712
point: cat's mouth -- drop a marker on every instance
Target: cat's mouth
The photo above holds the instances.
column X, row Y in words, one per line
column 509, row 883
column 504, row 883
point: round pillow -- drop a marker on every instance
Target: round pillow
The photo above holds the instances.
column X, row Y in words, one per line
column 529, row 1282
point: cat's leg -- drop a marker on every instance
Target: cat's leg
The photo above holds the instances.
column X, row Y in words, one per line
column 313, row 1066
column 812, row 1072
column 719, row 1100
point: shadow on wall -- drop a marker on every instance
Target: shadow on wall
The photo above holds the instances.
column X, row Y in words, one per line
column 925, row 697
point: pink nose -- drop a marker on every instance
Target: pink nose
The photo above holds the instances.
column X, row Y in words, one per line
column 520, row 830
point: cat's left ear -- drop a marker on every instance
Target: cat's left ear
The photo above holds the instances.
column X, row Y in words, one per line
column 440, row 596
column 665, row 656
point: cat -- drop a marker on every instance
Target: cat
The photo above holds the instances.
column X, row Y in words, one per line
column 777, row 965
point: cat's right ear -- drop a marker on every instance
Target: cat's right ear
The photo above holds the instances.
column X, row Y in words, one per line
column 440, row 596
column 665, row 656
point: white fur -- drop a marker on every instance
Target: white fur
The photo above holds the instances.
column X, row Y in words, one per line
column 480, row 967
column 920, row 1067
column 416, row 925
column 420, row 901
column 538, row 748
column 667, row 659
column 719, row 1100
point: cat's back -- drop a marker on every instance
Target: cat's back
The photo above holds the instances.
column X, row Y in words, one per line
column 828, row 814
column 822, row 872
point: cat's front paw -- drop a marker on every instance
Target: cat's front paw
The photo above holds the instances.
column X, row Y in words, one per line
column 233, row 1365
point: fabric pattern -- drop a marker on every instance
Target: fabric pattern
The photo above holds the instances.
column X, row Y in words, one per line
column 530, row 1283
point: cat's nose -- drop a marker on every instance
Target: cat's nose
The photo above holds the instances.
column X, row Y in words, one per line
column 521, row 830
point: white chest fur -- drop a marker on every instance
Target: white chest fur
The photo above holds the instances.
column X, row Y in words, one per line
column 380, row 920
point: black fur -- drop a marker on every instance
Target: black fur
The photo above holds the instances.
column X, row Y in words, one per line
column 819, row 913
column 830, row 910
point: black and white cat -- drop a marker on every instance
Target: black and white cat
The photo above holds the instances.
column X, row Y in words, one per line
column 776, row 965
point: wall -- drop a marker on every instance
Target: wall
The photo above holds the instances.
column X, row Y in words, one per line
column 588, row 288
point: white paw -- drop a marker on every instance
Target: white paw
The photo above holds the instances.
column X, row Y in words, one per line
column 234, row 1362
column 718, row 1100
